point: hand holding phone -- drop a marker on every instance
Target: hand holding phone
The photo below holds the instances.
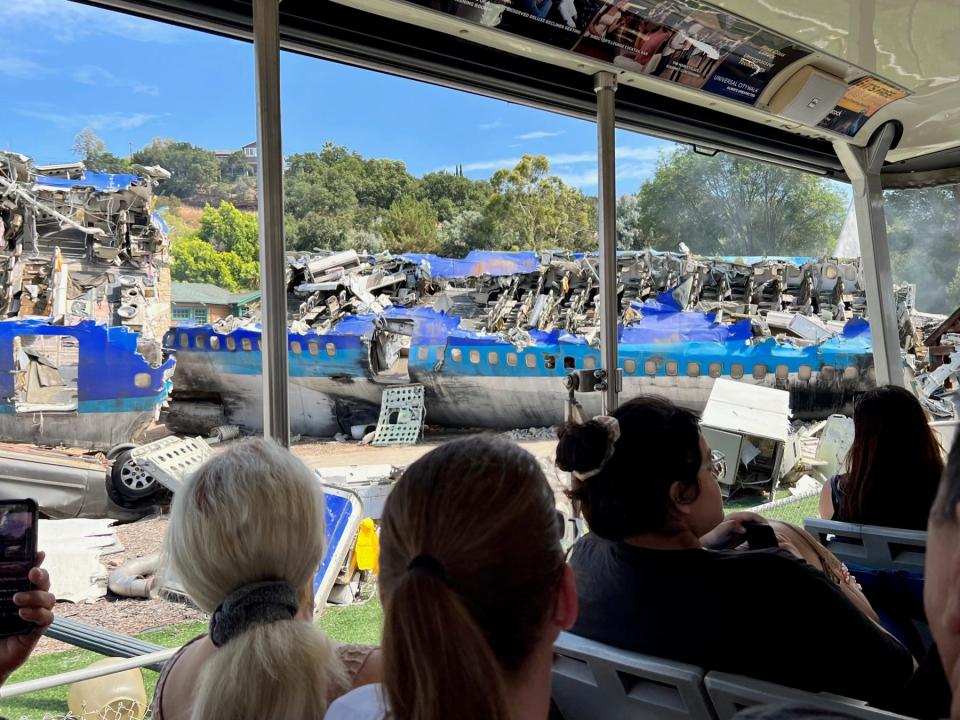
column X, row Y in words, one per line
column 760, row 536
column 18, row 555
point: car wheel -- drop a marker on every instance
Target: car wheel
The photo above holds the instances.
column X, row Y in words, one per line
column 131, row 485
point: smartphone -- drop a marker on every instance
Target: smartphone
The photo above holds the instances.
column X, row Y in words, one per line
column 18, row 553
column 760, row 536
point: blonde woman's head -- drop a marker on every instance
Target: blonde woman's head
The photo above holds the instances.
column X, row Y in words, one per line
column 254, row 514
column 251, row 513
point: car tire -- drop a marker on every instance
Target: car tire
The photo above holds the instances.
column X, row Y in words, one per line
column 131, row 486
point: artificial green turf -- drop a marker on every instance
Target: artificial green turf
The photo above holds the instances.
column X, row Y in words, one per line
column 360, row 623
column 54, row 701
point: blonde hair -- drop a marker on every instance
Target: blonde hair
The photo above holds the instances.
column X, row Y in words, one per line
column 250, row 514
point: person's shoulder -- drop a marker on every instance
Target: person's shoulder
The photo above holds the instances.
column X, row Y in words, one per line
column 769, row 564
column 364, row 703
column 588, row 545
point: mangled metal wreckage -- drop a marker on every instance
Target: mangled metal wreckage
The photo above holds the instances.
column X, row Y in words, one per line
column 492, row 336
column 82, row 305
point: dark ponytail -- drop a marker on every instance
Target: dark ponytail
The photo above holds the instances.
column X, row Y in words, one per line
column 470, row 568
column 439, row 663
column 627, row 491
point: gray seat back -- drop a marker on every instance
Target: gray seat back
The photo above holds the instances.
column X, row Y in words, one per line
column 732, row 693
column 593, row 681
column 882, row 548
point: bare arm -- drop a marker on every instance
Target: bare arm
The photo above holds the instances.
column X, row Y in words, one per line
column 826, row 502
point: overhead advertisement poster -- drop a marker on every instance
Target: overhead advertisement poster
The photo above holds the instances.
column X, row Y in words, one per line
column 690, row 43
column 861, row 100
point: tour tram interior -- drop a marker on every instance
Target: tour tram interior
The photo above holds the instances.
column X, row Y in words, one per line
column 866, row 92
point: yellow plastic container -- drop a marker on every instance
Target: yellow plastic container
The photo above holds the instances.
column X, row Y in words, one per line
column 367, row 549
column 121, row 696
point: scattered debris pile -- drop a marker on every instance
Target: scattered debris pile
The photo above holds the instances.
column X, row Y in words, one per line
column 78, row 245
column 559, row 291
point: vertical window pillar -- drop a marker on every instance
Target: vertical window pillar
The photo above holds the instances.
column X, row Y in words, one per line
column 605, row 85
column 266, row 48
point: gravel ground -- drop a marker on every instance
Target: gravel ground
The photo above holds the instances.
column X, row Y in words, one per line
column 130, row 616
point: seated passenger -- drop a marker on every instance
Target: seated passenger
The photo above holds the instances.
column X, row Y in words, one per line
column 925, row 698
column 245, row 540
column 893, row 467
column 474, row 587
column 647, row 581
column 35, row 606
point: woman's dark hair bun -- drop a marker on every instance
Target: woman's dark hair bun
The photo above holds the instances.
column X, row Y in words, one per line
column 581, row 448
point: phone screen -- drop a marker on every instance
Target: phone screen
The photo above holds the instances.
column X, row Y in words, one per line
column 18, row 550
column 760, row 536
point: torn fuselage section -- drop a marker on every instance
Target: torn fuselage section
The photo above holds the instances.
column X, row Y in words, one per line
column 491, row 336
column 83, row 268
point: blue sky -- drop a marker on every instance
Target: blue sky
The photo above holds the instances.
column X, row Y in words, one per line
column 65, row 66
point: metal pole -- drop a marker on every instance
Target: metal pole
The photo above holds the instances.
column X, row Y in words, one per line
column 605, row 85
column 273, row 292
column 88, row 673
column 863, row 167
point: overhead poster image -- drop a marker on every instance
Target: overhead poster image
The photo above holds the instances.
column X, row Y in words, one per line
column 686, row 42
column 861, row 100
column 748, row 68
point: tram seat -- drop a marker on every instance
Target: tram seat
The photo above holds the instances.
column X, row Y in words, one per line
column 880, row 548
column 592, row 680
column 732, row 693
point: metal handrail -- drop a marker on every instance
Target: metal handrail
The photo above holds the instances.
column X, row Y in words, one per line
column 89, row 673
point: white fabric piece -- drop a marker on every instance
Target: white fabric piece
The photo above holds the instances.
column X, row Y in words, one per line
column 73, row 549
column 367, row 702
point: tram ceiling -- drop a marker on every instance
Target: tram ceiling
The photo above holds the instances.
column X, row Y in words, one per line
column 335, row 31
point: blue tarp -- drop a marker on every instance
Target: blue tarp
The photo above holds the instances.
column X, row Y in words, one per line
column 161, row 222
column 102, row 182
column 477, row 263
column 662, row 321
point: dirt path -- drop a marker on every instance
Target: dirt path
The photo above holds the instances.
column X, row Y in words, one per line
column 319, row 453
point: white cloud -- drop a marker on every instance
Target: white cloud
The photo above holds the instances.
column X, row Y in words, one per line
column 74, row 122
column 93, row 75
column 97, row 76
column 586, row 178
column 538, row 135
column 490, row 125
column 20, row 68
column 69, row 21
column 589, row 179
column 638, row 154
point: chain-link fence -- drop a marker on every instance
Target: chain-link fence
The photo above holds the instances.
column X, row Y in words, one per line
column 118, row 710
column 793, row 509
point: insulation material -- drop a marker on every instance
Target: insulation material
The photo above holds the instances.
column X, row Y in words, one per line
column 74, row 549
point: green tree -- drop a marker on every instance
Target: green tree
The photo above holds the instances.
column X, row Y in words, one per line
column 410, row 225
column 468, row 231
column 630, row 223
column 731, row 206
column 195, row 260
column 531, row 209
column 923, row 232
column 229, row 229
column 193, row 169
column 93, row 152
column 320, row 198
column 383, row 182
column 452, row 194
